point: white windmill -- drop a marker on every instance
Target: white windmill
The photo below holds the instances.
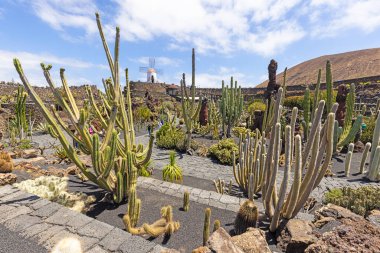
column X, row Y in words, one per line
column 151, row 71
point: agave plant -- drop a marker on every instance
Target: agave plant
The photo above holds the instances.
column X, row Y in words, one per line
column 172, row 172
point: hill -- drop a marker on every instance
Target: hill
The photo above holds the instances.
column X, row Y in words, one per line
column 345, row 66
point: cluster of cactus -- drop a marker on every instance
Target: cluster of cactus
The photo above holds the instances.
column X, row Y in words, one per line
column 373, row 173
column 113, row 158
column 172, row 172
column 220, row 186
column 55, row 189
column 257, row 171
column 360, row 200
column 347, row 162
column 165, row 225
column 343, row 136
column 190, row 108
column 231, row 106
column 246, row 217
column 6, row 163
column 20, row 112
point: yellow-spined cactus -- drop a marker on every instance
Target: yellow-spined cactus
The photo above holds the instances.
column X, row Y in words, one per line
column 6, row 163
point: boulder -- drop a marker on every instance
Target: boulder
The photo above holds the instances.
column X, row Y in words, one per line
column 296, row 236
column 37, row 159
column 359, row 147
column 344, row 232
column 201, row 249
column 29, row 153
column 252, row 241
column 220, row 242
column 7, row 178
column 374, row 217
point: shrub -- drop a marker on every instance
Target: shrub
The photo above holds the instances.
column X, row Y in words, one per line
column 223, row 151
column 295, row 101
column 360, row 201
column 24, row 144
column 237, row 131
column 169, row 137
column 256, row 106
column 368, row 132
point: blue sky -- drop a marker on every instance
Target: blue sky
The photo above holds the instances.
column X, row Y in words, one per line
column 230, row 37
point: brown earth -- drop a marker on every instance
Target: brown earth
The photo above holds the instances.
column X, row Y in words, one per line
column 345, row 66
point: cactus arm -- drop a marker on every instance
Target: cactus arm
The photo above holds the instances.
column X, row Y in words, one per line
column 96, row 108
column 316, row 93
column 284, row 184
column 70, row 96
column 347, row 162
column 374, row 167
column 349, row 136
column 375, row 138
column 329, row 87
column 364, row 156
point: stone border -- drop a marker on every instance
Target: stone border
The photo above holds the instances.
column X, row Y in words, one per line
column 210, row 198
column 48, row 222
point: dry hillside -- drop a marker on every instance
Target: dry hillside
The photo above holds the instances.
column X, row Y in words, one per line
column 345, row 66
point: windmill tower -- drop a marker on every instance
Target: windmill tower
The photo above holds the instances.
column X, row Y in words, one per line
column 151, row 71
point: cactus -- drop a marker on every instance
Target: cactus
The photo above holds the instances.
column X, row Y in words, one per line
column 347, row 162
column 186, row 201
column 206, row 226
column 364, row 156
column 134, row 205
column 306, row 112
column 329, row 87
column 219, row 186
column 231, row 106
column 6, row 163
column 190, row 109
column 216, row 225
column 316, row 94
column 113, row 157
column 374, row 159
column 20, row 109
column 214, row 119
column 246, row 217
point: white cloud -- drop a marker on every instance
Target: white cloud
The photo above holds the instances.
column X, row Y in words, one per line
column 159, row 61
column 263, row 27
column 32, row 69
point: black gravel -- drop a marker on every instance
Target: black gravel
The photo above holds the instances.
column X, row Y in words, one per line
column 12, row 242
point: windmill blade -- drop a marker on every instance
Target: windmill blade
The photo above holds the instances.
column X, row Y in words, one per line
column 152, row 62
column 144, row 69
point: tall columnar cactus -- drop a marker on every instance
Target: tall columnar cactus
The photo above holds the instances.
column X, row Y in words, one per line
column 231, row 106
column 115, row 160
column 134, row 205
column 347, row 162
column 214, row 119
column 190, row 108
column 374, row 159
column 364, row 157
column 316, row 94
column 21, row 124
column 306, row 112
column 186, row 201
column 206, row 225
column 329, row 87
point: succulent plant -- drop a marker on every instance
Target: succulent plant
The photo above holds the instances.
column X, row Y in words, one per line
column 216, row 225
column 172, row 172
column 186, row 201
column 246, row 217
column 206, row 226
column 6, row 163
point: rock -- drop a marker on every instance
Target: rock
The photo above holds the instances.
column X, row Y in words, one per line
column 359, row 147
column 374, row 217
column 7, row 178
column 320, row 223
column 169, row 251
column 252, row 241
column 13, row 155
column 220, row 242
column 37, row 159
column 29, row 153
column 296, row 236
column 336, row 212
column 72, row 170
column 201, row 249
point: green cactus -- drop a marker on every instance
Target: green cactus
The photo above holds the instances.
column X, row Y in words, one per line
column 231, row 106
column 316, row 94
column 246, row 217
column 134, row 205
column 186, row 201
column 306, row 112
column 364, row 157
column 113, row 157
column 206, row 226
column 374, row 160
column 329, row 87
column 172, row 172
column 347, row 162
column 216, row 225
column 20, row 111
column 190, row 109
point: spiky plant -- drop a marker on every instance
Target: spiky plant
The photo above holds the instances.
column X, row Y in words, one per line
column 246, row 217
column 6, row 163
column 172, row 172
column 186, row 201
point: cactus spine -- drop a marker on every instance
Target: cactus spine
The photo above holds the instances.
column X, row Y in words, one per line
column 206, row 226
column 190, row 109
column 231, row 106
column 347, row 162
column 364, row 156
column 113, row 157
column 186, row 201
